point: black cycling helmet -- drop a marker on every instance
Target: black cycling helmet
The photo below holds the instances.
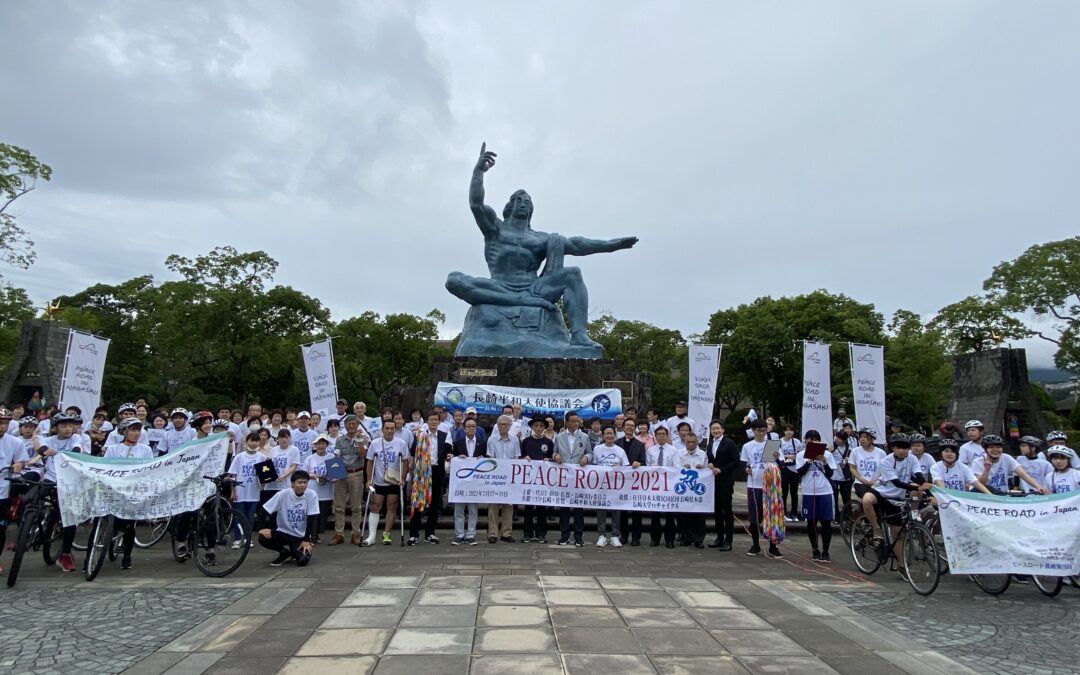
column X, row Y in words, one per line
column 29, row 420
column 62, row 417
column 949, row 444
column 869, row 432
column 1032, row 441
column 899, row 440
column 916, row 438
column 992, row 439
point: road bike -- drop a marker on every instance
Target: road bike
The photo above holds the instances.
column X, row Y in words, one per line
column 39, row 522
column 919, row 552
column 217, row 535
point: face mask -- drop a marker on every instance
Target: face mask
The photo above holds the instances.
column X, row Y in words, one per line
column 253, row 427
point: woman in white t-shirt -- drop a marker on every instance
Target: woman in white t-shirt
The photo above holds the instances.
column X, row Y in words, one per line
column 1064, row 478
column 315, row 465
column 995, row 468
column 286, row 459
column 865, row 461
column 950, row 472
column 817, row 501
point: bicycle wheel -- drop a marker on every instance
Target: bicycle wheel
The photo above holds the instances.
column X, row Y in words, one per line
column 994, row 584
column 1048, row 586
column 848, row 514
column 225, row 510
column 921, row 559
column 116, row 545
column 27, row 528
column 150, row 532
column 222, row 540
column 933, row 523
column 98, row 546
column 863, row 547
column 51, row 536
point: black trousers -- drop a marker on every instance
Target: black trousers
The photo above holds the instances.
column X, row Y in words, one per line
column 564, row 524
column 692, row 527
column 662, row 524
column 724, row 516
column 128, row 528
column 789, row 484
column 281, row 542
column 630, row 525
column 535, row 521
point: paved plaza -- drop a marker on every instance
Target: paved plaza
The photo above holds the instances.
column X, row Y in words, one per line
column 526, row 608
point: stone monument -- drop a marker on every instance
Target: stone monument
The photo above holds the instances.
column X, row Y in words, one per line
column 514, row 313
column 992, row 386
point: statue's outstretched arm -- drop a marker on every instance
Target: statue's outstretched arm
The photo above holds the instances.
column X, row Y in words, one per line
column 485, row 215
column 585, row 246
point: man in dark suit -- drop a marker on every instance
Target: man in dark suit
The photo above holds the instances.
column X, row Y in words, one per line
column 723, row 456
column 438, row 448
column 635, row 454
column 469, row 445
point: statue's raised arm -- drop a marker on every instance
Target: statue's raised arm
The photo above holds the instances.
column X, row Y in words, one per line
column 485, row 215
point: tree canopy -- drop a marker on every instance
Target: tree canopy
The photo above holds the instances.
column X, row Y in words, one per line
column 20, row 172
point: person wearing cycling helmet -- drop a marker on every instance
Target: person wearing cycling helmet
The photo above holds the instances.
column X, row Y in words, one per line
column 12, row 457
column 1059, row 438
column 865, row 461
column 1033, row 461
column 1064, row 478
column 951, row 473
column 67, row 439
column 202, row 423
column 130, row 448
column 973, row 449
column 179, row 433
column 124, row 412
column 918, row 451
column 898, row 474
column 995, row 468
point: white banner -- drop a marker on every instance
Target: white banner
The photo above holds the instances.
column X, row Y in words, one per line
column 868, row 385
column 321, row 378
column 704, row 371
column 817, row 391
column 484, row 480
column 84, row 367
column 987, row 534
column 489, row 400
column 138, row 489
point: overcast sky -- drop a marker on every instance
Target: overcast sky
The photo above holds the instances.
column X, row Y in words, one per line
column 893, row 152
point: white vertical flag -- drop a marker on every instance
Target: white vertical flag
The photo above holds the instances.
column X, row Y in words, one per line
column 868, row 385
column 84, row 366
column 321, row 378
column 817, row 392
column 704, row 370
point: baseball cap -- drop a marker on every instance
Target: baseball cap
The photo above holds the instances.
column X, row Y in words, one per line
column 470, row 409
column 323, row 437
column 303, row 413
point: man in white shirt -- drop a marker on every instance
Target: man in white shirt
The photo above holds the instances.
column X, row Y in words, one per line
column 662, row 453
column 691, row 525
column 180, row 432
column 754, row 463
column 502, row 445
column 388, row 463
column 672, row 423
column 296, row 521
column 469, row 445
column 303, row 437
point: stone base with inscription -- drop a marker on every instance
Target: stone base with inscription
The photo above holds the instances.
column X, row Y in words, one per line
column 537, row 373
column 500, row 331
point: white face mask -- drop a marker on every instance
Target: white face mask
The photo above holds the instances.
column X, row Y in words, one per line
column 254, row 427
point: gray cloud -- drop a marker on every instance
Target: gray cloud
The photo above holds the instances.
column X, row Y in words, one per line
column 891, row 153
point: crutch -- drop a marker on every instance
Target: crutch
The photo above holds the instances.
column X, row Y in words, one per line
column 367, row 503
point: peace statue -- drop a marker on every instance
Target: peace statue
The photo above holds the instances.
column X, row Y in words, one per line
column 514, row 312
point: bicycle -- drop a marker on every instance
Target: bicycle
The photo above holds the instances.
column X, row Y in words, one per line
column 150, row 532
column 39, row 522
column 920, row 556
column 848, row 514
column 219, row 530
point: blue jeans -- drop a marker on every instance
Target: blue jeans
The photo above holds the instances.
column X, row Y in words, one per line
column 248, row 509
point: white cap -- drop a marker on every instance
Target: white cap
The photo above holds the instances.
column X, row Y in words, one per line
column 303, row 413
column 322, row 437
column 470, row 409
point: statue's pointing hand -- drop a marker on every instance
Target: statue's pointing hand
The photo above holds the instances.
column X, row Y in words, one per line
column 487, row 159
column 625, row 242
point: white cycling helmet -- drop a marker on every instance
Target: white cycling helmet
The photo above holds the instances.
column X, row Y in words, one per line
column 869, row 432
column 973, row 424
column 1061, row 450
column 1056, row 436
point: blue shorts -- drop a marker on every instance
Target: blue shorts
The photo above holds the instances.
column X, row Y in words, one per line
column 817, row 507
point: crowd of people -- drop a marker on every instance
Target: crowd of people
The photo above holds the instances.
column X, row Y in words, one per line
column 392, row 469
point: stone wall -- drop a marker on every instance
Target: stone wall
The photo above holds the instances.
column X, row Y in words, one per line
column 533, row 373
column 990, row 386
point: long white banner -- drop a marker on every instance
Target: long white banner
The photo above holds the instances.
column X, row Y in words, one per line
column 868, row 385
column 484, row 480
column 704, row 371
column 138, row 489
column 817, row 391
column 321, row 378
column 84, row 366
column 987, row 534
column 490, row 399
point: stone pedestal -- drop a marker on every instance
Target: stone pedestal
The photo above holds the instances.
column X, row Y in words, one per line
column 992, row 386
column 38, row 363
column 533, row 373
column 500, row 331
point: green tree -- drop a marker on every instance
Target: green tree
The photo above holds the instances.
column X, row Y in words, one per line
column 977, row 323
column 660, row 352
column 1045, row 280
column 762, row 342
column 15, row 307
column 918, row 376
column 20, row 172
column 372, row 354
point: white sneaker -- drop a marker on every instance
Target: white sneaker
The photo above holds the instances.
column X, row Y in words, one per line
column 615, row 542
column 237, row 544
column 602, row 541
